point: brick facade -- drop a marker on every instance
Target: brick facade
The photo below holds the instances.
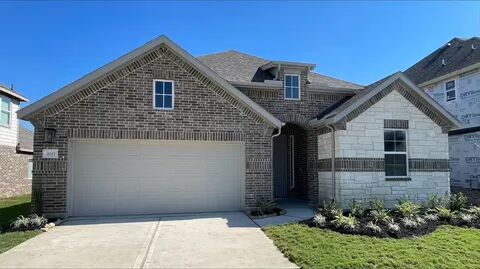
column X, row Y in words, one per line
column 298, row 112
column 14, row 172
column 123, row 110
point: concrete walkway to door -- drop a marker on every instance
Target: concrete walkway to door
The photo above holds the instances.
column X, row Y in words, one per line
column 214, row 240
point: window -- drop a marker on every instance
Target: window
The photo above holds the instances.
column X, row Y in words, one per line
column 291, row 145
column 395, row 142
column 30, row 169
column 450, row 90
column 5, row 111
column 163, row 95
column 292, row 87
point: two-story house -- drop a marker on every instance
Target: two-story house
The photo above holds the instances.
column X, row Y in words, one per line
column 451, row 76
column 160, row 131
column 16, row 146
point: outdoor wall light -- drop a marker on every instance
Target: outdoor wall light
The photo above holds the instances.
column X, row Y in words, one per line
column 50, row 135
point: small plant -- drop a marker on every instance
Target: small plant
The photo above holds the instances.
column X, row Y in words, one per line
column 410, row 223
column 374, row 228
column 266, row 206
column 377, row 205
column 464, row 218
column 408, row 209
column 31, row 222
column 380, row 216
column 445, row 213
column 458, row 201
column 331, row 210
column 357, row 209
column 436, row 200
column 319, row 220
column 475, row 211
column 393, row 227
column 430, row 217
column 348, row 224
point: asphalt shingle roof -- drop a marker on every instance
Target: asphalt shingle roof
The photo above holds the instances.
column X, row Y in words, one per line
column 346, row 102
column 459, row 54
column 236, row 66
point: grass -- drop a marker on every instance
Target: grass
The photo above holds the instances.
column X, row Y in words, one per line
column 10, row 208
column 9, row 240
column 448, row 247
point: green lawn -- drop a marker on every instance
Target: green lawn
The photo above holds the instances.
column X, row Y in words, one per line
column 10, row 208
column 448, row 247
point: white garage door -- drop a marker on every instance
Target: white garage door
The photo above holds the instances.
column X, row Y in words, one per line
column 132, row 177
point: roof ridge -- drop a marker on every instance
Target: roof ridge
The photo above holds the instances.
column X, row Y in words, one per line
column 234, row 51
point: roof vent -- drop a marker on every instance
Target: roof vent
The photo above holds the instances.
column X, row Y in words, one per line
column 473, row 47
column 443, row 62
column 449, row 44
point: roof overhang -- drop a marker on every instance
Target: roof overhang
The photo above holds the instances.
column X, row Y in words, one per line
column 13, row 94
column 71, row 88
column 332, row 118
column 327, row 89
column 272, row 84
column 286, row 64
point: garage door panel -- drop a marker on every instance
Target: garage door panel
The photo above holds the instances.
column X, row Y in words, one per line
column 118, row 178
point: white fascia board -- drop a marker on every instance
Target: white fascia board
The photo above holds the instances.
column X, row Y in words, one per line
column 257, row 85
column 13, row 94
column 326, row 89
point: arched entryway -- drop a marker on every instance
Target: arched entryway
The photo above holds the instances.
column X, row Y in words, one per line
column 290, row 175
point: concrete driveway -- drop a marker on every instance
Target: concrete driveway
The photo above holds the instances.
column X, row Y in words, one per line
column 217, row 240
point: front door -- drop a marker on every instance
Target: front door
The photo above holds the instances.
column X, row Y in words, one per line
column 280, row 166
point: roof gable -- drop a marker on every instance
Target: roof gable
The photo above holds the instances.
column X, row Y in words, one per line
column 13, row 94
column 98, row 79
column 373, row 93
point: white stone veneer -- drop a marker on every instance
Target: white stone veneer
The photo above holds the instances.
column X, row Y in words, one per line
column 363, row 137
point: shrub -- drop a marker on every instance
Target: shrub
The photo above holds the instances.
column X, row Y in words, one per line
column 266, row 206
column 411, row 223
column 445, row 213
column 475, row 211
column 31, row 222
column 436, row 200
column 374, row 228
column 431, row 217
column 380, row 216
column 319, row 220
column 464, row 218
column 458, row 202
column 393, row 227
column 377, row 205
column 357, row 209
column 408, row 209
column 331, row 210
column 348, row 224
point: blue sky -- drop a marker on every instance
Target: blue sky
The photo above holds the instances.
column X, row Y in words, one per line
column 46, row 45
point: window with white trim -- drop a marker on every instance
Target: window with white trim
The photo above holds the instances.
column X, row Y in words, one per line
column 292, row 87
column 291, row 146
column 163, row 94
column 450, row 93
column 5, row 111
column 396, row 163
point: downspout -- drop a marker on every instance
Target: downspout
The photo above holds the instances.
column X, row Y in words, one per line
column 271, row 152
column 334, row 184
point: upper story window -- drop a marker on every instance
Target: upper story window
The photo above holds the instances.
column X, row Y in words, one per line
column 395, row 142
column 163, row 94
column 292, row 87
column 5, row 111
column 450, row 90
